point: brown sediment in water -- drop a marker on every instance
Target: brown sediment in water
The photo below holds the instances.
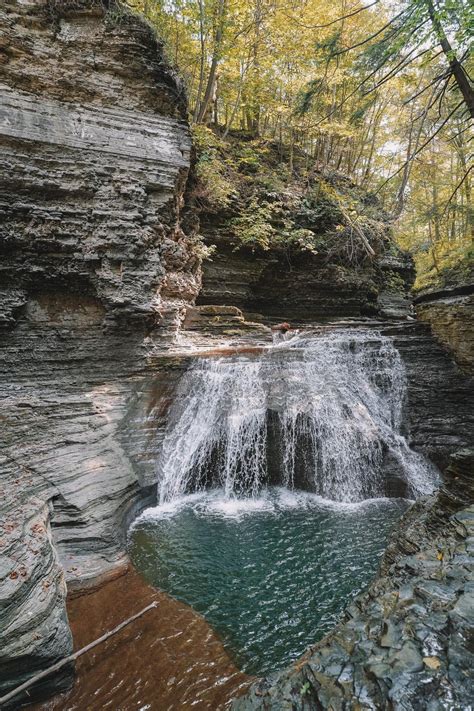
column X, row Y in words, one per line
column 166, row 660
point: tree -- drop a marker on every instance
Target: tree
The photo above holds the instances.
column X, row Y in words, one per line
column 380, row 94
column 456, row 68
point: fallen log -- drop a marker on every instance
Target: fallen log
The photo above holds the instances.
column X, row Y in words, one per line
column 72, row 657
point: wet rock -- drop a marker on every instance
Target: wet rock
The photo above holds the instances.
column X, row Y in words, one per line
column 440, row 398
column 450, row 313
column 407, row 655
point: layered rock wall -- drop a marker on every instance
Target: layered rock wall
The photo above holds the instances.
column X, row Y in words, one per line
column 302, row 286
column 439, row 412
column 450, row 313
column 97, row 267
column 95, row 156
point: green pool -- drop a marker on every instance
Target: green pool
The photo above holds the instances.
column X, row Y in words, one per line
column 273, row 574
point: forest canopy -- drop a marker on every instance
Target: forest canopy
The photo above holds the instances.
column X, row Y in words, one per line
column 379, row 91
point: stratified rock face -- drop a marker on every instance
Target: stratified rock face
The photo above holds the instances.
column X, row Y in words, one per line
column 95, row 155
column 31, row 634
column 404, row 643
column 301, row 286
column 95, row 270
column 440, row 397
column 450, row 313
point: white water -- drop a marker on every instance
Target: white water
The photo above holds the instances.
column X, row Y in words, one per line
column 337, row 405
column 271, row 500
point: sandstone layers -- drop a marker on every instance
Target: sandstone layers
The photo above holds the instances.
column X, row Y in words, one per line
column 450, row 313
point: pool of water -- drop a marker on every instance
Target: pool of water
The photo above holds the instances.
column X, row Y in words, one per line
column 272, row 575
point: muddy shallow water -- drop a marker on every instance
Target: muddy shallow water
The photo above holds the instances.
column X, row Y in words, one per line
column 168, row 659
column 270, row 575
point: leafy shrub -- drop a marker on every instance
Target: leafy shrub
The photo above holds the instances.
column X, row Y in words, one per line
column 214, row 189
column 249, row 160
column 253, row 226
column 394, row 282
column 320, row 209
column 264, row 204
column 269, row 224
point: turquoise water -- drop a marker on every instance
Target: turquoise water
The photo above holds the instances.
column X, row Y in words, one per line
column 271, row 575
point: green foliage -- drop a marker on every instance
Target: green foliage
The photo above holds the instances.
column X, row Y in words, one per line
column 272, row 182
column 214, row 188
column 262, row 204
column 305, row 688
column 446, row 267
column 305, row 97
column 320, row 208
column 201, row 249
column 249, row 159
column 270, row 225
column 253, row 227
column 394, row 282
column 349, row 229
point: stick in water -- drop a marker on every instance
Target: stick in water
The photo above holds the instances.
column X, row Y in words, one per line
column 72, row 657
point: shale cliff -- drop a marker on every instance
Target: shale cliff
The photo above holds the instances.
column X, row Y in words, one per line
column 450, row 313
column 97, row 266
column 302, row 287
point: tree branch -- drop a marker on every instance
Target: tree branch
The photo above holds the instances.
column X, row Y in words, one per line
column 72, row 657
column 333, row 22
column 461, row 182
column 415, row 153
column 374, row 35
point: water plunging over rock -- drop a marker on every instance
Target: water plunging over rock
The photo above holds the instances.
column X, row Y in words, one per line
column 321, row 413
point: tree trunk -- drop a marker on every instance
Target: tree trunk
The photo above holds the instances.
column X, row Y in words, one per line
column 202, row 61
column 243, row 72
column 216, row 55
column 457, row 69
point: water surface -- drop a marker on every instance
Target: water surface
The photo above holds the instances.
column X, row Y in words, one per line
column 272, row 575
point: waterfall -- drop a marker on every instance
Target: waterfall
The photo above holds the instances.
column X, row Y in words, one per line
column 322, row 413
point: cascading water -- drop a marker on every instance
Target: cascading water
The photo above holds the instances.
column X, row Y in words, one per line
column 322, row 413
column 270, row 566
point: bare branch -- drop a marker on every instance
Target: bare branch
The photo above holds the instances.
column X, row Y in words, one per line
column 461, row 182
column 361, row 84
column 434, row 98
column 333, row 22
column 437, row 78
column 375, row 34
column 415, row 153
column 402, row 64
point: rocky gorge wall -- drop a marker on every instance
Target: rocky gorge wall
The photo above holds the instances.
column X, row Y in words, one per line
column 97, row 267
column 302, row 286
column 266, row 283
column 450, row 313
column 96, row 152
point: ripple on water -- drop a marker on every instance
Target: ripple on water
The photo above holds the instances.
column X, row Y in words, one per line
column 272, row 575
